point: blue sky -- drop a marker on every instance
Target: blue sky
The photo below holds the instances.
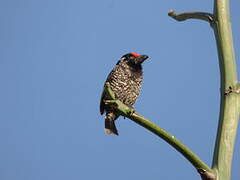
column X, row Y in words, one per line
column 54, row 58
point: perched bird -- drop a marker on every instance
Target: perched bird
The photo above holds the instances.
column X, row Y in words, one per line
column 125, row 81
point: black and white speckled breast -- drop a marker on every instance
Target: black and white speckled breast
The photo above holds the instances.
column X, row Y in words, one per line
column 126, row 82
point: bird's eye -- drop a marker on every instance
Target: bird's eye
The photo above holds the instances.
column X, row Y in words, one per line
column 126, row 56
column 123, row 58
column 130, row 56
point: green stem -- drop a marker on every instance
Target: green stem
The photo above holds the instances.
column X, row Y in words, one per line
column 230, row 93
column 203, row 169
column 230, row 103
column 170, row 139
column 191, row 15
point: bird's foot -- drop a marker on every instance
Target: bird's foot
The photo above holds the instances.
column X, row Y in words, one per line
column 112, row 103
column 131, row 110
column 121, row 107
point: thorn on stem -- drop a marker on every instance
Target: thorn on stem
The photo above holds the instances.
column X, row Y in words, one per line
column 228, row 91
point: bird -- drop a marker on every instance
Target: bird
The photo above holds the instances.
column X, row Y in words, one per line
column 125, row 81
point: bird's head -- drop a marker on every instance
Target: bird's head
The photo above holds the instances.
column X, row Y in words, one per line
column 134, row 59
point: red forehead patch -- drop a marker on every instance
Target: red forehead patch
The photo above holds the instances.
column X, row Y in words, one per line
column 135, row 54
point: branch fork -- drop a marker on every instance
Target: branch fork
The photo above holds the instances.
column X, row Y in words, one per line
column 230, row 98
column 192, row 15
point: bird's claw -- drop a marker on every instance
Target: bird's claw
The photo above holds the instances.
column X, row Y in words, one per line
column 111, row 102
column 131, row 111
column 124, row 109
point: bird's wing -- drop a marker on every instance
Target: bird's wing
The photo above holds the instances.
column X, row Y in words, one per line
column 102, row 105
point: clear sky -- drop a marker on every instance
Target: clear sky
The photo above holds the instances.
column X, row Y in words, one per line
column 54, row 58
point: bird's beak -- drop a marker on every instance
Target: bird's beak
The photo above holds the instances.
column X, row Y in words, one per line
column 142, row 58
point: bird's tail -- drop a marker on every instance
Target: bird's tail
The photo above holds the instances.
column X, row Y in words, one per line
column 110, row 127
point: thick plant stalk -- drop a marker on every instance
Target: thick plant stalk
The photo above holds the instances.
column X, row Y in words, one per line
column 230, row 97
column 230, row 90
